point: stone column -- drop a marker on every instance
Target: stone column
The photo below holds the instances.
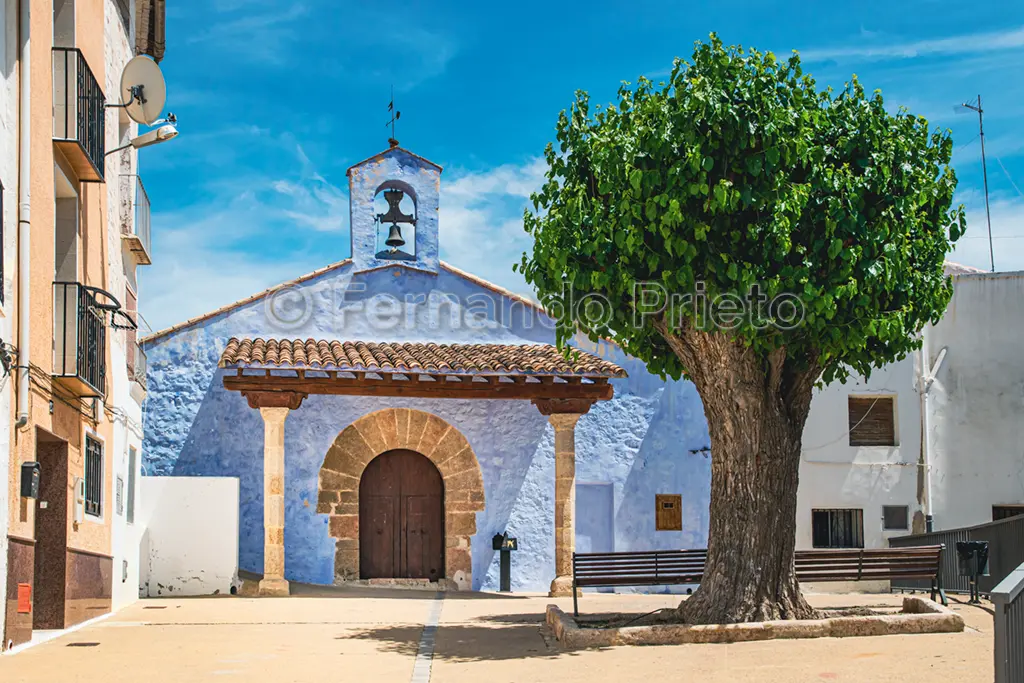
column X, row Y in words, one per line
column 565, row 500
column 273, row 582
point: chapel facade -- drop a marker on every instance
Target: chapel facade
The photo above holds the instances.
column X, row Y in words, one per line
column 388, row 414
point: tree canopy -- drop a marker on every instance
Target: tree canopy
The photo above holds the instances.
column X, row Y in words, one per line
column 737, row 175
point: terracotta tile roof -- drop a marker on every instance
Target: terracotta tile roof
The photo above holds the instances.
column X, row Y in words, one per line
column 953, row 268
column 428, row 359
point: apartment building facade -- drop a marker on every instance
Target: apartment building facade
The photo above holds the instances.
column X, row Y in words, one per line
column 71, row 308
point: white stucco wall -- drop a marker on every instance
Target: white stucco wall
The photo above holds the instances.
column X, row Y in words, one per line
column 190, row 542
column 9, row 178
column 976, row 434
column 123, row 405
column 977, row 401
column 834, row 474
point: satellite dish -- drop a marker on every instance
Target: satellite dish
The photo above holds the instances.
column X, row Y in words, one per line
column 143, row 90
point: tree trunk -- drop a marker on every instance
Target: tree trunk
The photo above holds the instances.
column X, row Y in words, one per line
column 756, row 410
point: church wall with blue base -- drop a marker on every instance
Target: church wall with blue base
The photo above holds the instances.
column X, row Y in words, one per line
column 650, row 438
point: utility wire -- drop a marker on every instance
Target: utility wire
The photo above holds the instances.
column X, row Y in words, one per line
column 1008, row 177
column 961, row 147
column 843, row 436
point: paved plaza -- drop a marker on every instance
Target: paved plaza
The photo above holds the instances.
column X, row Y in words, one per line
column 371, row 634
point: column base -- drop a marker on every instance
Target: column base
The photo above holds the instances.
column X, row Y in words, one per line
column 561, row 587
column 274, row 588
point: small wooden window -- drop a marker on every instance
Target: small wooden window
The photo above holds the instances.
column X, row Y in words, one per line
column 872, row 421
column 668, row 513
column 119, row 495
column 1006, row 511
column 895, row 517
column 837, row 528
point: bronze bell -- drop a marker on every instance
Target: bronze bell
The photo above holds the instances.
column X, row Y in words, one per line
column 394, row 239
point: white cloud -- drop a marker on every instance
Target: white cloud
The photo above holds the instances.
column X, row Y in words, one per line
column 481, row 221
column 246, row 234
column 954, row 45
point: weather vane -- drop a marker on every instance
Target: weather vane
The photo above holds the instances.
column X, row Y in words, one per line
column 395, row 115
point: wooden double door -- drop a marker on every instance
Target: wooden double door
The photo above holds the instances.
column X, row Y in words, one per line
column 401, row 518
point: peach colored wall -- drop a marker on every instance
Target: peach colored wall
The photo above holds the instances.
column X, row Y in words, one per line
column 65, row 422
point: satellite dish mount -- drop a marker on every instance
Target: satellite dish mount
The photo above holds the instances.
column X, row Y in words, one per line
column 137, row 94
column 143, row 94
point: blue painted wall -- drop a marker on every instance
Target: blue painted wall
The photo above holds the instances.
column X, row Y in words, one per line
column 639, row 442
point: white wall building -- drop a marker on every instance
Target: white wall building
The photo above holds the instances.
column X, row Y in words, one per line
column 128, row 247
column 866, row 476
column 977, row 402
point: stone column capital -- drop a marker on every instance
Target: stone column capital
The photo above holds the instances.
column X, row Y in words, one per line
column 274, row 415
column 564, row 421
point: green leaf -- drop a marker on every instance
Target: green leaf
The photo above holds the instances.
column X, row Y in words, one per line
column 635, row 177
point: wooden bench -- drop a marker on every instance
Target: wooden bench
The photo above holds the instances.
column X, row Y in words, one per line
column 674, row 567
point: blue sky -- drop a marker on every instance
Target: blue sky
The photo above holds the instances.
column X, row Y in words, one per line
column 276, row 100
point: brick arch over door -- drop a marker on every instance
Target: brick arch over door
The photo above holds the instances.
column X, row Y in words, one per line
column 414, row 430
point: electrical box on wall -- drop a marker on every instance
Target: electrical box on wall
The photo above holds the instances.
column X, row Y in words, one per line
column 668, row 512
column 30, row 474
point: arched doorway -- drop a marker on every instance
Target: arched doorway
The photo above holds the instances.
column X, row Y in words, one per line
column 401, row 518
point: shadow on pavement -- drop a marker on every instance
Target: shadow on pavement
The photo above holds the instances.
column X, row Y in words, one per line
column 300, row 590
column 467, row 642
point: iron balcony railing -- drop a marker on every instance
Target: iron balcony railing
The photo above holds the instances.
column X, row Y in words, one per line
column 78, row 113
column 137, row 362
column 80, row 337
column 1008, row 622
column 139, row 366
column 135, row 218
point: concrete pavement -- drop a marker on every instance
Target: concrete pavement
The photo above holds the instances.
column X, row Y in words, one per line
column 368, row 634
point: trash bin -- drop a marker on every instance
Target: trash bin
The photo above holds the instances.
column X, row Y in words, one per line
column 973, row 558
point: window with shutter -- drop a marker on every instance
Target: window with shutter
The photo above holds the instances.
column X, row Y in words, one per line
column 1006, row 511
column 872, row 421
column 93, row 477
column 131, row 484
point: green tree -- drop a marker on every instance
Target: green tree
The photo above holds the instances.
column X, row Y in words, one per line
column 757, row 236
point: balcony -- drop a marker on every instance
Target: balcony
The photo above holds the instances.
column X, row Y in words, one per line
column 136, row 355
column 137, row 366
column 78, row 114
column 135, row 218
column 80, row 337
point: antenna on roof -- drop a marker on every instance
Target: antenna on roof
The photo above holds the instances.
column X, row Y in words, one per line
column 395, row 115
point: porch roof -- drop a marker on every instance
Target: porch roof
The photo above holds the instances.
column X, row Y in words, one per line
column 424, row 370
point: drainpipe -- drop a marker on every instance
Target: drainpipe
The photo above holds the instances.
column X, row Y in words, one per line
column 927, row 378
column 24, row 225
